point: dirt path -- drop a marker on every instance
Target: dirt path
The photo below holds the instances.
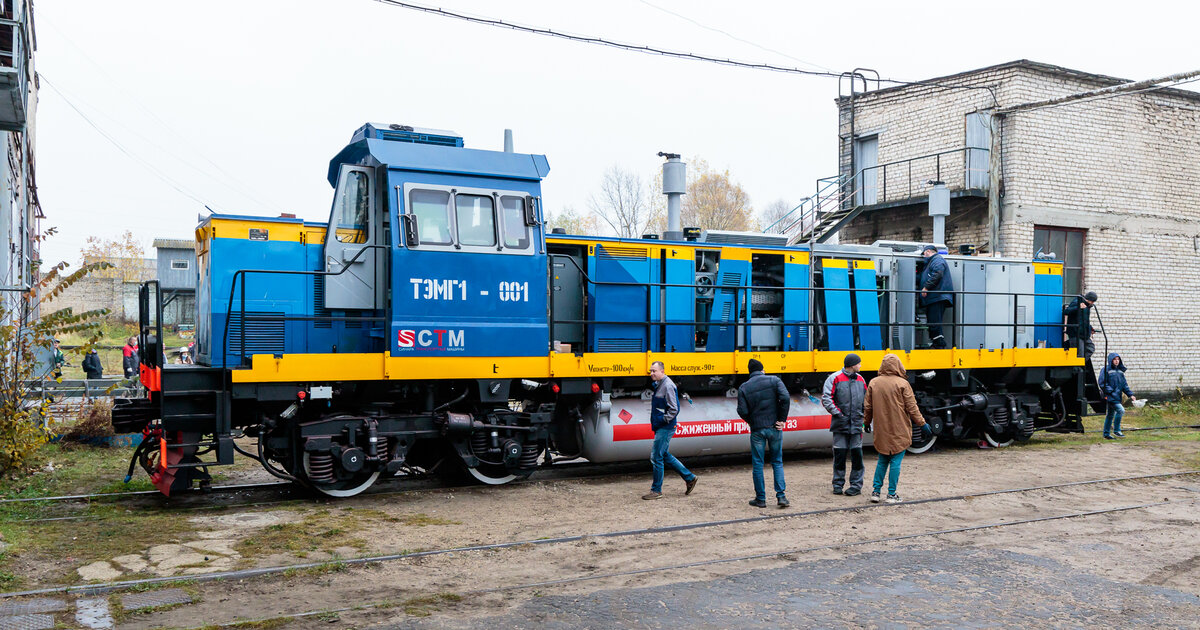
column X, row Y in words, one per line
column 1148, row 546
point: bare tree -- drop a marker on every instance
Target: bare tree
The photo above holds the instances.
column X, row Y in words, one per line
column 622, row 204
column 775, row 211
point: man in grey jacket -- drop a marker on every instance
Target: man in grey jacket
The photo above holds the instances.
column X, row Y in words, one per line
column 843, row 396
column 664, row 408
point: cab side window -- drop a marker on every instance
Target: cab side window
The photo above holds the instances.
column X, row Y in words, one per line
column 476, row 220
column 432, row 209
column 516, row 233
column 354, row 208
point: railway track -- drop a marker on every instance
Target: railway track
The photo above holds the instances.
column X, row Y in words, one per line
column 702, row 563
column 95, row 589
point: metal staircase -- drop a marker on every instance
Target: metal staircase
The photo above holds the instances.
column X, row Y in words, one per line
column 817, row 218
column 839, row 199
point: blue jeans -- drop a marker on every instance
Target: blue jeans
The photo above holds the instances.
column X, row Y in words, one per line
column 764, row 444
column 891, row 464
column 1112, row 420
column 661, row 454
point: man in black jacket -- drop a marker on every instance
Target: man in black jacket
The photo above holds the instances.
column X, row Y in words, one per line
column 763, row 402
column 91, row 365
column 936, row 286
column 1079, row 323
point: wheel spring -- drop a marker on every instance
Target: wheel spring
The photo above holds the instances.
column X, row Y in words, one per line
column 529, row 456
column 320, row 467
column 479, row 443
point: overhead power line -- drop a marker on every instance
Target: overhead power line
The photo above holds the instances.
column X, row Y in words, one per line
column 600, row 41
column 732, row 36
column 180, row 188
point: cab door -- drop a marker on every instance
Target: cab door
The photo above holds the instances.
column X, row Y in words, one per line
column 351, row 261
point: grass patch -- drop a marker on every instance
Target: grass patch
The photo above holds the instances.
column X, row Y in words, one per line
column 320, row 530
column 426, row 605
column 421, row 520
column 71, row 544
column 261, row 624
column 1183, row 411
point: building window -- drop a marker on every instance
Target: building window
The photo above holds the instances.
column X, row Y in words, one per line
column 181, row 265
column 1065, row 244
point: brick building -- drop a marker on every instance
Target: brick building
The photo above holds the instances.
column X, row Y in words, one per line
column 1109, row 185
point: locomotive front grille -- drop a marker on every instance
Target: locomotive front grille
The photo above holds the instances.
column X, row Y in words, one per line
column 262, row 335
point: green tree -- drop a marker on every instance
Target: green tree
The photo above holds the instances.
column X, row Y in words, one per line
column 26, row 351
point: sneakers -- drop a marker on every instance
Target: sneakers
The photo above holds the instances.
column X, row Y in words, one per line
column 758, row 503
column 1119, row 434
column 853, row 492
column 837, row 490
column 875, row 497
column 893, row 498
column 650, row 496
column 783, row 502
column 1109, row 437
column 691, row 485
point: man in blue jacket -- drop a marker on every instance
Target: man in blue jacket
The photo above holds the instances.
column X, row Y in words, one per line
column 935, row 297
column 1113, row 384
column 664, row 407
column 763, row 402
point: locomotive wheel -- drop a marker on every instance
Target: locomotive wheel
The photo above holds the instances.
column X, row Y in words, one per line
column 917, row 449
column 492, row 474
column 343, row 488
column 995, row 441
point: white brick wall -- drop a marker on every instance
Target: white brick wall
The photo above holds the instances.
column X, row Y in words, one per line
column 1127, row 169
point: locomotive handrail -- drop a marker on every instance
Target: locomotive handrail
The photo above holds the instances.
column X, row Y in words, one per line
column 739, row 323
column 288, row 272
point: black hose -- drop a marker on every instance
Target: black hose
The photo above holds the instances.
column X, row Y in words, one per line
column 137, row 452
column 267, row 464
column 455, row 401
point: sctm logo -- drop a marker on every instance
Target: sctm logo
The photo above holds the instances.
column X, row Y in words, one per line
column 431, row 339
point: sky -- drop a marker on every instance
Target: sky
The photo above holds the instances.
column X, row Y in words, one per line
column 149, row 111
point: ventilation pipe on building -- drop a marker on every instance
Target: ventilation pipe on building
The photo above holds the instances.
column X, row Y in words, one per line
column 674, row 183
column 508, row 147
column 939, row 209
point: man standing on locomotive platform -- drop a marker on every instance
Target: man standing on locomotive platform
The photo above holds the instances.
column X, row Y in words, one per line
column 664, row 407
column 936, row 284
column 763, row 402
column 842, row 396
column 1079, row 323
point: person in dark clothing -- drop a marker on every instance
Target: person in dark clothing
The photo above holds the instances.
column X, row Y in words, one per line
column 664, row 408
column 763, row 403
column 1078, row 327
column 935, row 284
column 842, row 396
column 91, row 365
column 1113, row 384
column 59, row 360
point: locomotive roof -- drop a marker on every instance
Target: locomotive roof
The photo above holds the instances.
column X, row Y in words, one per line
column 440, row 159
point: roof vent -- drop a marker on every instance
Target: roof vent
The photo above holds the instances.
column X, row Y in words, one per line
column 406, row 133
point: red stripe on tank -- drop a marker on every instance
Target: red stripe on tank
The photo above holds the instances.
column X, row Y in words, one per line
column 706, row 428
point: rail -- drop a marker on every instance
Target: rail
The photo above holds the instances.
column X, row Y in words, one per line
column 742, row 326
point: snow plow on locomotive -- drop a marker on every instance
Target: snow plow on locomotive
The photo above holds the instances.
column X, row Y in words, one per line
column 432, row 322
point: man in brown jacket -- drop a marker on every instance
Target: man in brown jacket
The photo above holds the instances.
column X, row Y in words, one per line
column 891, row 406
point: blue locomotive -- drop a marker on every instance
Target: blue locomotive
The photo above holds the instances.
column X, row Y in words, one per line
column 433, row 323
